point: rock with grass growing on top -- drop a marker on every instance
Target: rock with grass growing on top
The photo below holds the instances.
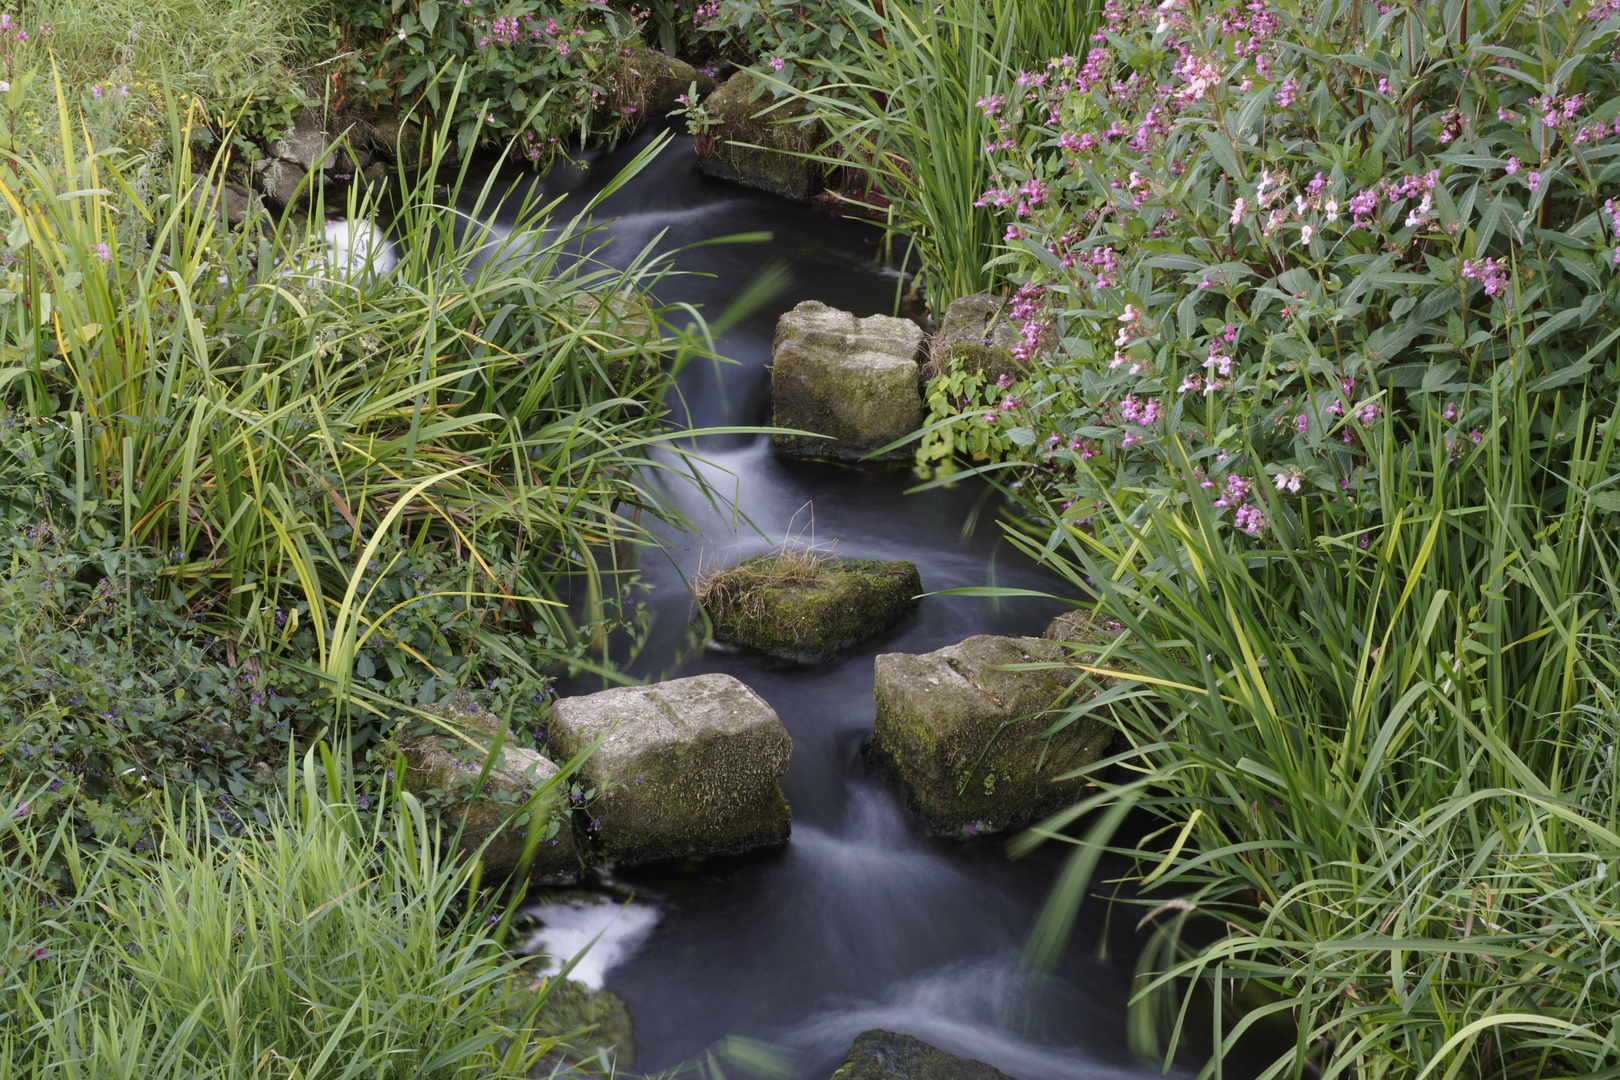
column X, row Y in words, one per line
column 968, row 735
column 441, row 766
column 756, row 140
column 888, row 1055
column 685, row 767
column 851, row 383
column 799, row 604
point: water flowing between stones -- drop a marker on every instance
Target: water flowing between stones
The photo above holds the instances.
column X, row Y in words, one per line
column 863, row 920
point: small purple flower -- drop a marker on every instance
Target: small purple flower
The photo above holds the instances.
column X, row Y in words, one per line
column 102, row 252
column 1533, row 181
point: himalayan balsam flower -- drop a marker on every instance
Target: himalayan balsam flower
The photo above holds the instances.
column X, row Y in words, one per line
column 1512, row 166
column 1237, row 210
column 1533, row 181
column 776, row 63
column 1305, row 236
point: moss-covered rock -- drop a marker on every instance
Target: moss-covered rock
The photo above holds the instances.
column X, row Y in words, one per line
column 968, row 738
column 588, row 1022
column 647, row 83
column 854, row 382
column 443, row 767
column 685, row 767
column 887, row 1055
column 757, row 138
column 976, row 335
column 809, row 615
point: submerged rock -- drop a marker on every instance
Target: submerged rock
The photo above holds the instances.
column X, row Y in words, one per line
column 685, row 767
column 445, row 767
column 853, row 381
column 976, row 335
column 774, row 137
column 887, row 1055
column 968, row 739
column 590, row 1022
column 806, row 607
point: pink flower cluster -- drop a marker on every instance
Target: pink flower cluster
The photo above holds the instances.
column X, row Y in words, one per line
column 1490, row 273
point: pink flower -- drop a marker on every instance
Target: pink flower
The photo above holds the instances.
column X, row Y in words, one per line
column 1512, row 166
column 776, row 63
column 1302, row 423
column 1533, row 181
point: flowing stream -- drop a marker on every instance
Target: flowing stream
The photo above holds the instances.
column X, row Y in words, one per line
column 863, row 920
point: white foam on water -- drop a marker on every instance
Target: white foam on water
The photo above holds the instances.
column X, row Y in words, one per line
column 359, row 248
column 961, row 1008
column 568, row 928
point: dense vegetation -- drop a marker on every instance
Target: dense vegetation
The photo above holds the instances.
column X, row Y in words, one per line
column 1319, row 333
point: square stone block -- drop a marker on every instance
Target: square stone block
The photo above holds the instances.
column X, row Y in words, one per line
column 686, row 767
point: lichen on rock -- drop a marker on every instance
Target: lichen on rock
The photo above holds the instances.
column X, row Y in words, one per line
column 806, row 606
column 685, row 767
column 967, row 731
column 852, row 383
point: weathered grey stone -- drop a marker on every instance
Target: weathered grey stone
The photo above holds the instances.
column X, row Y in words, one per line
column 757, row 148
column 588, row 1021
column 686, row 767
column 283, row 183
column 852, row 380
column 235, row 202
column 977, row 335
column 886, row 1055
column 442, row 765
column 809, row 617
column 968, row 739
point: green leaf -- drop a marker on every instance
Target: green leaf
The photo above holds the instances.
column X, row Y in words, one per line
column 429, row 14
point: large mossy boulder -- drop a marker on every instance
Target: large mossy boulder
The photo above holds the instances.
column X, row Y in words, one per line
column 888, row 1055
column 976, row 335
column 805, row 606
column 851, row 383
column 685, row 767
column 442, row 768
column 964, row 729
column 757, row 139
column 592, row 1024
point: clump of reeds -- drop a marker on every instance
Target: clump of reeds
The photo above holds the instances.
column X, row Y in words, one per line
column 739, row 592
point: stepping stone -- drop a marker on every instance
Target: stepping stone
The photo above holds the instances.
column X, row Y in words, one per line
column 967, row 738
column 799, row 605
column 852, row 380
column 686, row 767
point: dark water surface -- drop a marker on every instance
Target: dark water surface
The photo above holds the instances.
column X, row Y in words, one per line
column 863, row 920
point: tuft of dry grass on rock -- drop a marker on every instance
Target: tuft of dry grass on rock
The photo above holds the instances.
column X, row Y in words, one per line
column 742, row 588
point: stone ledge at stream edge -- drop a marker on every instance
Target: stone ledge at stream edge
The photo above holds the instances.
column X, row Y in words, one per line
column 848, row 601
column 886, row 1055
column 967, row 739
column 569, row 1007
column 769, row 162
column 687, row 767
column 444, row 764
column 852, row 380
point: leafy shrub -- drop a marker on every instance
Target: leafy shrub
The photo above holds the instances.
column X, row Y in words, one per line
column 1275, row 253
column 541, row 73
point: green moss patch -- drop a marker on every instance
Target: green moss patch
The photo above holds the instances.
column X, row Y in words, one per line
column 780, row 606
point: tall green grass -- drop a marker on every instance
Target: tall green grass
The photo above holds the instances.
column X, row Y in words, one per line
column 901, row 106
column 281, row 428
column 338, row 942
column 1379, row 754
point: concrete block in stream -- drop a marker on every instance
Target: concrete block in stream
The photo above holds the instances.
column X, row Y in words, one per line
column 685, row 767
column 967, row 738
column 854, row 382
